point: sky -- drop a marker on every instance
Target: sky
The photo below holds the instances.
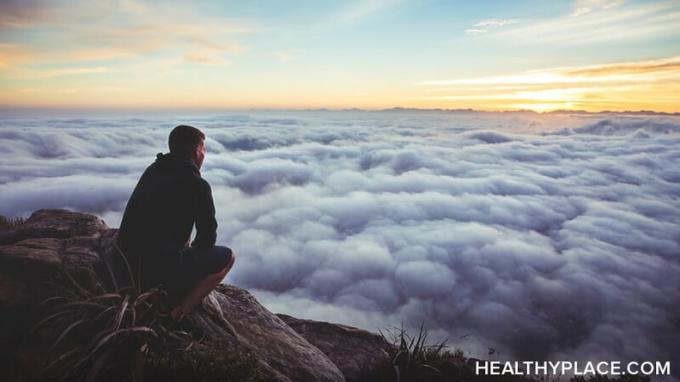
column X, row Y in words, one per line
column 589, row 55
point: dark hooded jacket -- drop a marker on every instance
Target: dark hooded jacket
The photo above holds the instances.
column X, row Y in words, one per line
column 168, row 200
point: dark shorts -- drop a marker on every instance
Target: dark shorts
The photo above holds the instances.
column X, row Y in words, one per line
column 194, row 264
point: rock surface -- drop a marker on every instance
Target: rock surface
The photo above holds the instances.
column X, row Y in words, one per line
column 236, row 314
column 294, row 350
column 357, row 353
column 58, row 224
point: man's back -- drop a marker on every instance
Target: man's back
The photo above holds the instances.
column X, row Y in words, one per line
column 154, row 235
column 169, row 198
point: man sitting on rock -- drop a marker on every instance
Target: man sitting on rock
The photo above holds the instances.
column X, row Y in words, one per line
column 169, row 199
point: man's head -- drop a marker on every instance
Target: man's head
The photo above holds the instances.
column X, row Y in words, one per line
column 188, row 142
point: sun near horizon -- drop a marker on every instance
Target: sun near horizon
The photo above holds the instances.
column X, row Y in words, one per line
column 590, row 55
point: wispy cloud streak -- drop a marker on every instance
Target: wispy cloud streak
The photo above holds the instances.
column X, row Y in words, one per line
column 583, row 7
column 605, row 22
column 567, row 87
column 484, row 26
column 97, row 30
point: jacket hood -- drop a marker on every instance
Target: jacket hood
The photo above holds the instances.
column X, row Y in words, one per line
column 170, row 160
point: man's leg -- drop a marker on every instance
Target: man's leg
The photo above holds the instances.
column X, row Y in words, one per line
column 200, row 290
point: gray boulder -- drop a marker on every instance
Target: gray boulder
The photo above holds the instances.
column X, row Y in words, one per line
column 358, row 353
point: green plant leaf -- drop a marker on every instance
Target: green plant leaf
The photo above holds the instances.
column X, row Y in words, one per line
column 48, row 319
column 99, row 365
column 66, row 332
column 103, row 312
column 62, row 357
column 106, row 296
column 118, row 318
column 77, row 285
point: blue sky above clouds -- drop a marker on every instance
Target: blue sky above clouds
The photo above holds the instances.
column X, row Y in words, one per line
column 588, row 54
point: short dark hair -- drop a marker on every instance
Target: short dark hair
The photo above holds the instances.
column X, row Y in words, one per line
column 184, row 139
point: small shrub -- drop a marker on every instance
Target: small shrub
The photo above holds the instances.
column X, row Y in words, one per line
column 413, row 359
column 6, row 222
column 112, row 333
column 205, row 366
column 106, row 335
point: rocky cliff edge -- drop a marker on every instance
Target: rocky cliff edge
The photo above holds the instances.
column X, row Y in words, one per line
column 35, row 253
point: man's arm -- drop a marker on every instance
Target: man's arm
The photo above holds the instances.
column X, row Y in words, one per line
column 206, row 225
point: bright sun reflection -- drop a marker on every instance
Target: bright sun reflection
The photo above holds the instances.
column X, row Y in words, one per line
column 543, row 107
column 641, row 85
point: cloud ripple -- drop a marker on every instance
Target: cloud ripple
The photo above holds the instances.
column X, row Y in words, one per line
column 542, row 236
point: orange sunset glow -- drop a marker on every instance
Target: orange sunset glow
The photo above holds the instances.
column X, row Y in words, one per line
column 590, row 55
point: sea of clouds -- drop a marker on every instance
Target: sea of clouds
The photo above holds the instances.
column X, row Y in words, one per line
column 540, row 236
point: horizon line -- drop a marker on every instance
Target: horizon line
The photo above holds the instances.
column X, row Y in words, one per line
column 329, row 109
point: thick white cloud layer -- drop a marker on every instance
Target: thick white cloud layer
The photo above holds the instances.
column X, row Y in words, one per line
column 542, row 236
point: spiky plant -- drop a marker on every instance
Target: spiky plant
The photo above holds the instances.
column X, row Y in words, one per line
column 10, row 222
column 103, row 334
column 413, row 358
